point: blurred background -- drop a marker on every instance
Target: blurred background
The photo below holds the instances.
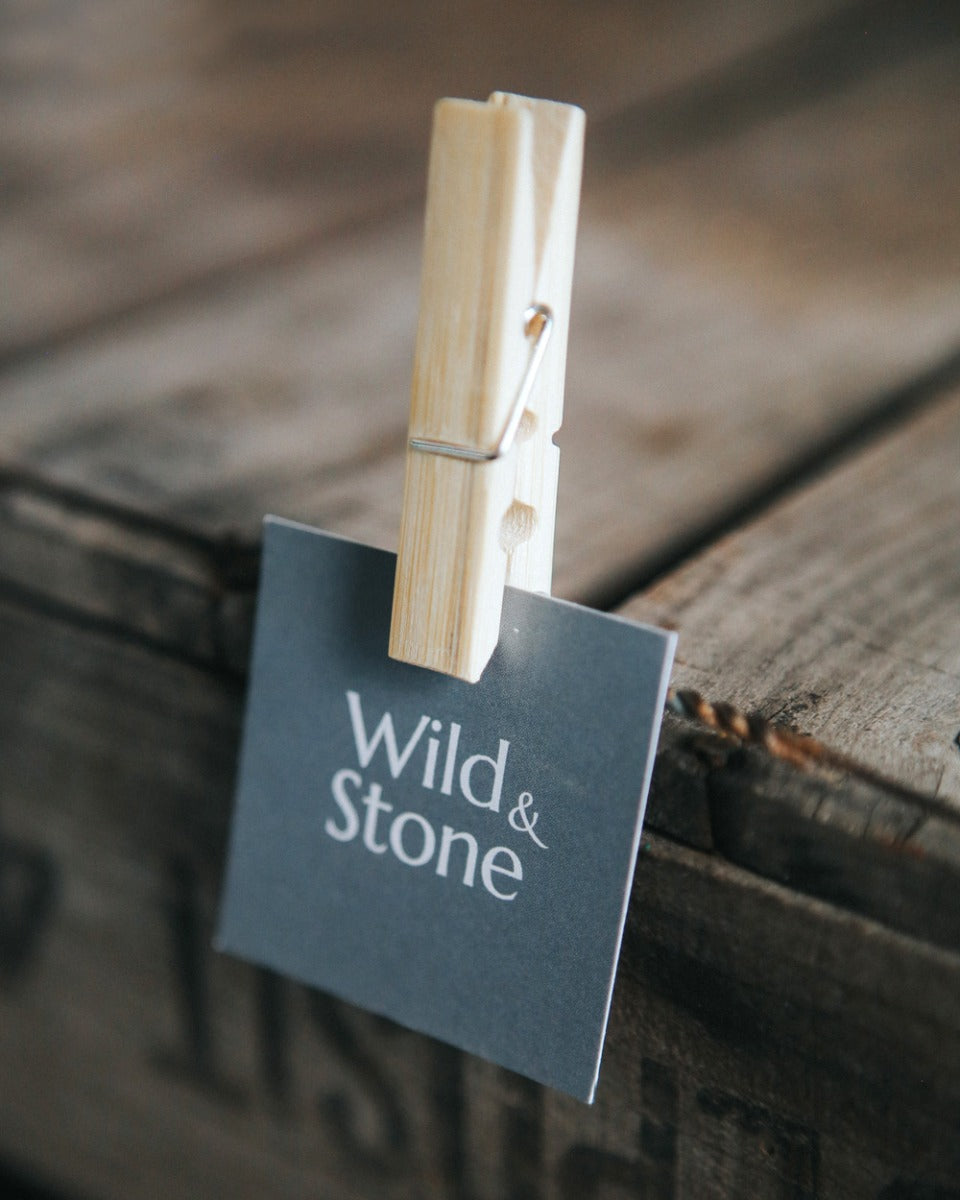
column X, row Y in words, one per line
column 210, row 224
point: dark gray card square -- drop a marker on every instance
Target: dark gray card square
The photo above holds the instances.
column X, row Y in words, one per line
column 455, row 856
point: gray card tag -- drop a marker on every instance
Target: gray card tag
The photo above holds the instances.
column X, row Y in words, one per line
column 455, row 856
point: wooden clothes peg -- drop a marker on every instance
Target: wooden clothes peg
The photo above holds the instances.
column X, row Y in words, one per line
column 487, row 396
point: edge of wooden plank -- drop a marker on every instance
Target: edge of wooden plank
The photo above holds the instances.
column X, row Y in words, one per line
column 798, row 1014
column 849, row 841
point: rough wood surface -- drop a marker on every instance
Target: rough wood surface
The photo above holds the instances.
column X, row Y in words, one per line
column 871, row 849
column 209, row 252
column 838, row 611
column 724, row 331
column 761, row 1043
column 147, row 149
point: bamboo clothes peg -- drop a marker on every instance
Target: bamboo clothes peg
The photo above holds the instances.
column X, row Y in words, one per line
column 465, row 846
column 487, row 394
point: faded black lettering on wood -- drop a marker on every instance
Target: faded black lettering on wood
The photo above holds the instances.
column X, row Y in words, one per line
column 780, row 1157
column 29, row 886
column 587, row 1171
column 386, row 1151
column 273, row 1026
column 196, row 1056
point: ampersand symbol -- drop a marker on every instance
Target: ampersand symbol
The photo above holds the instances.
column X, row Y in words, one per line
column 524, row 823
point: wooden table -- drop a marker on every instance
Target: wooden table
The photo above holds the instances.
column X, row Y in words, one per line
column 209, row 244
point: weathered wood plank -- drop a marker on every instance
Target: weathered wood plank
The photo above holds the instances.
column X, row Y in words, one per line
column 838, row 611
column 750, row 298
column 743, row 301
column 760, row 1044
column 145, row 148
column 798, row 1004
column 725, row 326
column 870, row 849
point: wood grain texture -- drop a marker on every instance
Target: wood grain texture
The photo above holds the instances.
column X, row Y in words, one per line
column 750, row 298
column 499, row 237
column 838, row 611
column 866, row 847
column 147, row 149
column 761, row 1042
column 209, row 252
column 724, row 328
column 470, row 351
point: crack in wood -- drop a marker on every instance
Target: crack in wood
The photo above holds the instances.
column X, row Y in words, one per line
column 799, row 749
column 848, row 840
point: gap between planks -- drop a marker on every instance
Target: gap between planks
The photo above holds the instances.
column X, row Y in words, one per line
column 835, row 610
column 892, row 410
column 225, row 567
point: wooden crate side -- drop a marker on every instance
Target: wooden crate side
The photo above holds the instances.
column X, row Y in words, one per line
column 759, row 1038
